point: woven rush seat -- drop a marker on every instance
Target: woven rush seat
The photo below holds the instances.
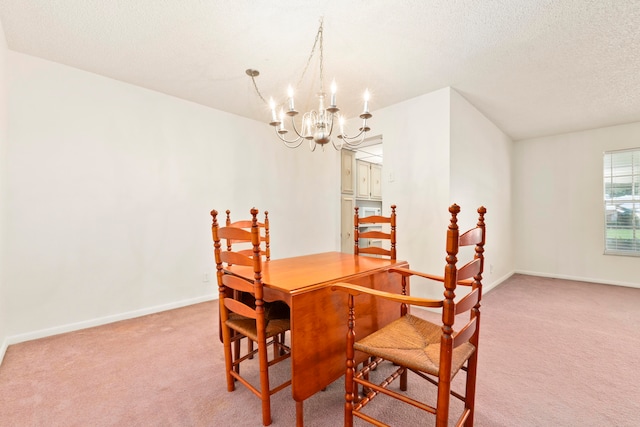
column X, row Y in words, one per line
column 415, row 343
column 248, row 328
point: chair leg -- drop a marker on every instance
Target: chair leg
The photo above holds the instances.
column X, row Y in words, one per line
column 250, row 348
column 350, row 396
column 276, row 346
column 228, row 358
column 403, row 379
column 282, row 341
column 236, row 351
column 265, row 391
column 470, row 393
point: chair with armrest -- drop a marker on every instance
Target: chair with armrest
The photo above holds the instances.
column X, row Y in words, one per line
column 375, row 221
column 239, row 320
column 435, row 352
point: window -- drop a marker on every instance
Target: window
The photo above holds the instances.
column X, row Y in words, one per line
column 622, row 202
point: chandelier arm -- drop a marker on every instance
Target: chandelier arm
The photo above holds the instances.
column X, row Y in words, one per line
column 295, row 128
column 295, row 143
column 352, row 141
column 338, row 146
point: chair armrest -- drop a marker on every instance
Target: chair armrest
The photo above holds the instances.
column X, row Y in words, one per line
column 356, row 290
column 406, row 272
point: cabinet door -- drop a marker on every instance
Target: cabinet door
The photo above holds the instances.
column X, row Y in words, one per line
column 346, row 225
column 363, row 179
column 375, row 181
column 347, row 157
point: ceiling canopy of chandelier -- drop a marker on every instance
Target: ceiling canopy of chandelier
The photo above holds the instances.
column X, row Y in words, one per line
column 317, row 127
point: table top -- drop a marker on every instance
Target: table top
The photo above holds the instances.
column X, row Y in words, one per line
column 303, row 273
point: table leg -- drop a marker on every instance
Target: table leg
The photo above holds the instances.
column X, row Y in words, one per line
column 299, row 414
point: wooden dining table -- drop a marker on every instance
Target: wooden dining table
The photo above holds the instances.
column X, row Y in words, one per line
column 319, row 315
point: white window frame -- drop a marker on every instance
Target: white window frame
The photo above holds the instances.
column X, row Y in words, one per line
column 621, row 195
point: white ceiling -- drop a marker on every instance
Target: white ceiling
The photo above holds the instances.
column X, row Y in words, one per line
column 533, row 67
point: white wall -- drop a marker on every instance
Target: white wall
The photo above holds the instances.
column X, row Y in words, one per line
column 3, row 171
column 558, row 206
column 481, row 173
column 416, row 153
column 440, row 150
column 110, row 188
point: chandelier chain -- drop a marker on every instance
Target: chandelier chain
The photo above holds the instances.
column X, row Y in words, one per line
column 319, row 37
column 255, row 85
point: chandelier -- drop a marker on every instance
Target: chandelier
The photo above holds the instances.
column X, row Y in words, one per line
column 316, row 126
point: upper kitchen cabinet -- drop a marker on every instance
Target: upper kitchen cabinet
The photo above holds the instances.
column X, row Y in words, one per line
column 347, row 179
column 369, row 180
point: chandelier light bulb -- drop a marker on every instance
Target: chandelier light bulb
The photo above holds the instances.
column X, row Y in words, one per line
column 290, row 95
column 366, row 101
column 333, row 93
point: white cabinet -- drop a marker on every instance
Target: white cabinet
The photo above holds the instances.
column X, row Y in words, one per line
column 362, row 189
column 375, row 181
column 369, row 180
column 346, row 224
column 347, row 179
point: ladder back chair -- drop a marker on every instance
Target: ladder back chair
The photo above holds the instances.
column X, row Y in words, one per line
column 239, row 320
column 375, row 220
column 273, row 310
column 435, row 352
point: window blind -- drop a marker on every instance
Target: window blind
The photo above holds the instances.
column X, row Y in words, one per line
column 622, row 202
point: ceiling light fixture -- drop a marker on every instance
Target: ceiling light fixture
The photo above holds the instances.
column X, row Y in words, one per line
column 316, row 126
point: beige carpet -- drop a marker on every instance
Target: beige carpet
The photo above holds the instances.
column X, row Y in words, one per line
column 552, row 353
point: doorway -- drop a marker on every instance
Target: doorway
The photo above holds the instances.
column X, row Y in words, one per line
column 361, row 185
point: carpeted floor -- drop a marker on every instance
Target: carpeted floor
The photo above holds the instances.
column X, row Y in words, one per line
column 552, row 353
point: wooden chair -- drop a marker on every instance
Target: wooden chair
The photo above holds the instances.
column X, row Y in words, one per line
column 358, row 222
column 276, row 309
column 435, row 352
column 247, row 320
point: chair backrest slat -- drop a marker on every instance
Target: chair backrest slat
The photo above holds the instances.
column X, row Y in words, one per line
column 234, row 233
column 375, row 219
column 235, row 258
column 470, row 269
column 471, row 237
column 468, row 301
column 237, row 283
column 240, row 308
column 465, row 333
column 375, row 250
column 375, row 234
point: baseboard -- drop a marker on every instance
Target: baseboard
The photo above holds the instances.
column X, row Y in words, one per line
column 15, row 339
column 579, row 279
column 3, row 348
column 488, row 287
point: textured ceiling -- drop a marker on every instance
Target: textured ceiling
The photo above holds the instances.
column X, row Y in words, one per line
column 533, row 67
